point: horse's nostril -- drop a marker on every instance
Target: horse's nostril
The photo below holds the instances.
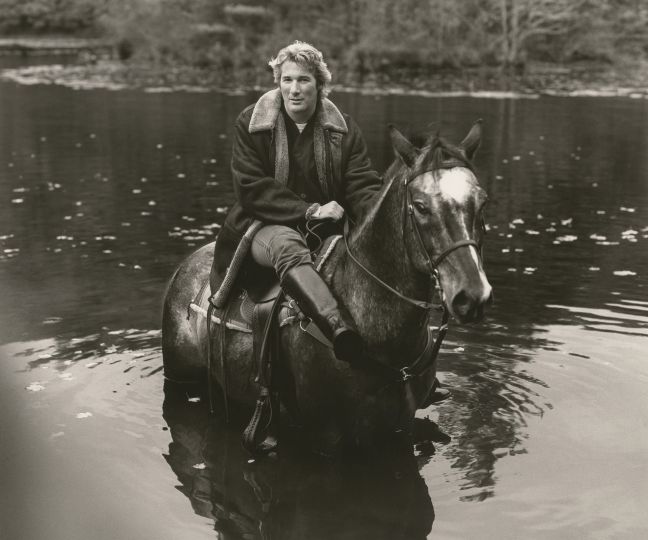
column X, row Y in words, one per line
column 468, row 307
column 461, row 303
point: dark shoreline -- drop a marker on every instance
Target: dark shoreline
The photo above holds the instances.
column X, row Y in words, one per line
column 536, row 79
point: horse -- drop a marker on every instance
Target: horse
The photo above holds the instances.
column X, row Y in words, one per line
column 423, row 231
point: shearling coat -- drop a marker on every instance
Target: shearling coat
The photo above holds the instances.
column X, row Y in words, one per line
column 260, row 170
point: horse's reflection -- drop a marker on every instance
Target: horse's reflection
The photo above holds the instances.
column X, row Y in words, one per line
column 292, row 496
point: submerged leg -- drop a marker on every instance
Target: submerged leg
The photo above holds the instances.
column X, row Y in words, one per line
column 436, row 395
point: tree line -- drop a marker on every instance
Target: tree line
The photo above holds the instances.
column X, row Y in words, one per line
column 359, row 36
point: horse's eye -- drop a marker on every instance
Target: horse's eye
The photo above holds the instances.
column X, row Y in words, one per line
column 421, row 208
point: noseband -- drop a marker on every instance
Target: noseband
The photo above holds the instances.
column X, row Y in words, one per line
column 432, row 264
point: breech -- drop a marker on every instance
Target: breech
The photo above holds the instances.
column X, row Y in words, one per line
column 281, row 248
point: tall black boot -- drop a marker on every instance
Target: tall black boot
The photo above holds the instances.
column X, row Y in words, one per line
column 315, row 299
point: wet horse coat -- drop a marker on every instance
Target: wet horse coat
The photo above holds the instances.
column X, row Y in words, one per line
column 430, row 205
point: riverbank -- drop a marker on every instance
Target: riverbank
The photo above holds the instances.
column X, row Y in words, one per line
column 585, row 78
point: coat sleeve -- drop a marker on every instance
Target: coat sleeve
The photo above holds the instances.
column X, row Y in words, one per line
column 260, row 195
column 360, row 180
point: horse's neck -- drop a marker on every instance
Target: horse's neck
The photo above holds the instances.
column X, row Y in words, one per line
column 387, row 322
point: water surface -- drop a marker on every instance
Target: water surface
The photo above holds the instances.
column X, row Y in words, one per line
column 546, row 435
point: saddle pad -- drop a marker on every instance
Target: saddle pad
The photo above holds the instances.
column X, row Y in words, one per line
column 238, row 317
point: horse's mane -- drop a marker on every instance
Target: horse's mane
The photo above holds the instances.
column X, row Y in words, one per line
column 437, row 153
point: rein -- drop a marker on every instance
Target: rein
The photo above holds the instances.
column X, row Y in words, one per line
column 418, row 303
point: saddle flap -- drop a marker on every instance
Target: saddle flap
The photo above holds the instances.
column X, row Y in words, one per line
column 262, row 294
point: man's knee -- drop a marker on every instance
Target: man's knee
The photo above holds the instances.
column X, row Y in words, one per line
column 287, row 250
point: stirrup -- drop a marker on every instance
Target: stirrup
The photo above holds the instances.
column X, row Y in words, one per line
column 257, row 438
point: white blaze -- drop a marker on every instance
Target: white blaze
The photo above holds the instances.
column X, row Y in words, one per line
column 456, row 184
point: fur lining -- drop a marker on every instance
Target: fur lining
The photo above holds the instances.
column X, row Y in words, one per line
column 268, row 106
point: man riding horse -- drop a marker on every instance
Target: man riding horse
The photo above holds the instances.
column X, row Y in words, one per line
column 296, row 160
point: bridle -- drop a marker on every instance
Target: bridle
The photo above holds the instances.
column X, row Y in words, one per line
column 431, row 263
column 426, row 358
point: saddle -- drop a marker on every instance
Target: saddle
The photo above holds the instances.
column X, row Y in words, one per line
column 258, row 306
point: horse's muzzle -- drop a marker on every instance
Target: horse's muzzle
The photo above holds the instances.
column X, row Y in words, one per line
column 468, row 306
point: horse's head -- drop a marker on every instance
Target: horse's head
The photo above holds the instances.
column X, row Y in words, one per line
column 442, row 219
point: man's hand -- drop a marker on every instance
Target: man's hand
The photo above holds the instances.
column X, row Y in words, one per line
column 330, row 210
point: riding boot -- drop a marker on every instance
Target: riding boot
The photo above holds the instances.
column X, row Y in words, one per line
column 315, row 299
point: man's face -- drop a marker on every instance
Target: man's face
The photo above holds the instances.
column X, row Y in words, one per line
column 299, row 91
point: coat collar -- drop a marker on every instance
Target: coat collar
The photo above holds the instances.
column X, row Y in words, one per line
column 268, row 106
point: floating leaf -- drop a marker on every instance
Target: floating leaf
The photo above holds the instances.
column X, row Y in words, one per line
column 567, row 238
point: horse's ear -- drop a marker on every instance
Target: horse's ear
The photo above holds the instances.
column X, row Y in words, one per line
column 471, row 143
column 405, row 149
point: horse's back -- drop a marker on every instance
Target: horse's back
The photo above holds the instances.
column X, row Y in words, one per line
column 181, row 349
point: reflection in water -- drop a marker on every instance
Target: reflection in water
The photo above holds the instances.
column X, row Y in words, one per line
column 493, row 397
column 292, row 495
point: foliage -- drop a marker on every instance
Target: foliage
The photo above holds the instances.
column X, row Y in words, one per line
column 60, row 16
column 360, row 37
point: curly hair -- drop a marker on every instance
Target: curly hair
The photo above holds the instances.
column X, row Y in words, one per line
column 308, row 56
